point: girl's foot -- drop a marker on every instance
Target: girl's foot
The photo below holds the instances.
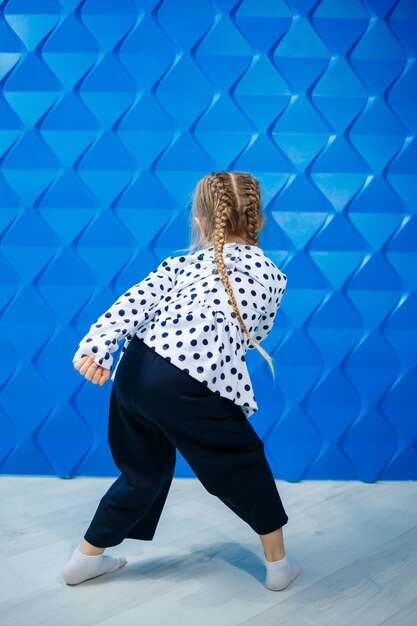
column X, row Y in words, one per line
column 82, row 567
column 280, row 573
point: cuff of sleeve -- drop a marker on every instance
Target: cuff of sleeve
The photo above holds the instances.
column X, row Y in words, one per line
column 99, row 358
column 103, row 362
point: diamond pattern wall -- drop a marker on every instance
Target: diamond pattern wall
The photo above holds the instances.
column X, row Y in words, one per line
column 110, row 112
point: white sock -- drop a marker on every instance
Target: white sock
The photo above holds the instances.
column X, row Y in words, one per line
column 81, row 566
column 280, row 573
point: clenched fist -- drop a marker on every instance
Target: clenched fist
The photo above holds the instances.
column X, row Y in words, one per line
column 91, row 371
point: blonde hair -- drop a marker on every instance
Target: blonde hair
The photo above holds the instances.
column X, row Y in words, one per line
column 229, row 205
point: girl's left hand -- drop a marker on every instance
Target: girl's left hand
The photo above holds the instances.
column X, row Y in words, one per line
column 91, row 371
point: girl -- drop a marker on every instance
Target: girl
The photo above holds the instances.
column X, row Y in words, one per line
column 182, row 381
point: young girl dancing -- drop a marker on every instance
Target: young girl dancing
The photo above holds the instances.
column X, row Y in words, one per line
column 182, row 381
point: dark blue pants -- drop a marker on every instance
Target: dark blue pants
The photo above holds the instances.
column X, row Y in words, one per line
column 156, row 408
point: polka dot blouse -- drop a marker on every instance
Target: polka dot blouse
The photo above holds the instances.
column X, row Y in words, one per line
column 183, row 311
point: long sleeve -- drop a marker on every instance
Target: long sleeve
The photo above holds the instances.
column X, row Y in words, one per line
column 125, row 315
column 266, row 321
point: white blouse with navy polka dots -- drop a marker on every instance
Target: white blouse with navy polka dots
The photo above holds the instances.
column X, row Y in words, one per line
column 183, row 311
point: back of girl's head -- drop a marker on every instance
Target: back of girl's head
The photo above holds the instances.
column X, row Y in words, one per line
column 226, row 207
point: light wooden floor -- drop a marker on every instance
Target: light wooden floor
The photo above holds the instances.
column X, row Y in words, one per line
column 357, row 543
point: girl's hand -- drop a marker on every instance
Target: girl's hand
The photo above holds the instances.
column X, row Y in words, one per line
column 91, row 371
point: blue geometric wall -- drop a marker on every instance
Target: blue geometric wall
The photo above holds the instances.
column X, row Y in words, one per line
column 110, row 112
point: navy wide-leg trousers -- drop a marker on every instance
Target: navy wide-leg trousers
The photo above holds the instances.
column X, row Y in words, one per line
column 156, row 408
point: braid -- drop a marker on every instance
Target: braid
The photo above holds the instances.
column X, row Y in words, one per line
column 251, row 209
column 225, row 201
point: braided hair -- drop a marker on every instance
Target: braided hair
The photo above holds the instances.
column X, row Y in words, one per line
column 230, row 205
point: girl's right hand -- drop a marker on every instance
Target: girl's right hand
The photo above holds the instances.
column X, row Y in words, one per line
column 91, row 371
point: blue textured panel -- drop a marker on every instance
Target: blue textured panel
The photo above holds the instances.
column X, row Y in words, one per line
column 112, row 111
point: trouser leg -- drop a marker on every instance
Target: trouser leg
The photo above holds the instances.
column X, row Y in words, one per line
column 119, row 515
column 228, row 458
column 146, row 526
column 133, row 504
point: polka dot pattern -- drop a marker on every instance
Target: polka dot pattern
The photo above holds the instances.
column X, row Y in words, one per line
column 182, row 310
